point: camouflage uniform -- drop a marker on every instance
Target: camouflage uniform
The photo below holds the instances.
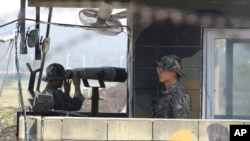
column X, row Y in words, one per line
column 62, row 101
column 174, row 102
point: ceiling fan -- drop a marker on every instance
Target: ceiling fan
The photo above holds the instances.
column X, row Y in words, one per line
column 102, row 20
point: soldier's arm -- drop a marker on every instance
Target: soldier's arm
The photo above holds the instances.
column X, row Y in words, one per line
column 181, row 106
column 65, row 102
column 76, row 81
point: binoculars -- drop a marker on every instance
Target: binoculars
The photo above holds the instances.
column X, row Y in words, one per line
column 112, row 74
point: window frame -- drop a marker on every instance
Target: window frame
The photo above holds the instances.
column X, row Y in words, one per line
column 208, row 76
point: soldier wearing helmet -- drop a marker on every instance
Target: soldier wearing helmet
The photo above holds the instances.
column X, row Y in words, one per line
column 174, row 101
column 56, row 77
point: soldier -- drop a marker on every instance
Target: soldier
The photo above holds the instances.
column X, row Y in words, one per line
column 56, row 77
column 174, row 102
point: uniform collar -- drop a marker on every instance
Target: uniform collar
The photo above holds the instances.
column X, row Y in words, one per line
column 171, row 89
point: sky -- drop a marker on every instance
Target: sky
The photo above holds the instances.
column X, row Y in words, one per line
column 71, row 47
column 10, row 8
column 9, row 11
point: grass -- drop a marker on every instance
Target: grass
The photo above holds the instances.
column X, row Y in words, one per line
column 9, row 105
column 8, row 121
column 10, row 95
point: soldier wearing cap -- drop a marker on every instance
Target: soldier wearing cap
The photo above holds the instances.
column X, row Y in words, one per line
column 56, row 77
column 174, row 101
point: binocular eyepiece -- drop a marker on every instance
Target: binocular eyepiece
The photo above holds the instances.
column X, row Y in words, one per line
column 112, row 74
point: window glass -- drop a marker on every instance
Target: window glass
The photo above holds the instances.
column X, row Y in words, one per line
column 73, row 47
column 231, row 84
column 226, row 74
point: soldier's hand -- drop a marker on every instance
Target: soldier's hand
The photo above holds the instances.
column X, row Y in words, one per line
column 76, row 78
column 67, row 83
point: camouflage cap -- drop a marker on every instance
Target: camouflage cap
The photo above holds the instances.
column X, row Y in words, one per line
column 171, row 62
column 55, row 71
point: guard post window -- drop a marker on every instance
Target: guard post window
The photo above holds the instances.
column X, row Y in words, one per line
column 226, row 67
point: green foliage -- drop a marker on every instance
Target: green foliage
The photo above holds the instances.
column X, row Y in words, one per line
column 8, row 123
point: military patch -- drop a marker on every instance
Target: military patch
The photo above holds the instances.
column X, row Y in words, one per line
column 183, row 101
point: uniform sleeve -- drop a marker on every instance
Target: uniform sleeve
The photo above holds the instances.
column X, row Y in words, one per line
column 79, row 96
column 181, row 104
column 65, row 102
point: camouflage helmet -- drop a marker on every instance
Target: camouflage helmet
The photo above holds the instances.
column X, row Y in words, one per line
column 171, row 62
column 55, row 71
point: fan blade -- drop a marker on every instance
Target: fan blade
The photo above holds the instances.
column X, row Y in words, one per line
column 89, row 13
column 119, row 15
column 111, row 28
column 88, row 17
column 100, row 20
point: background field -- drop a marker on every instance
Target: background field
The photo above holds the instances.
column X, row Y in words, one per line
column 9, row 105
column 112, row 99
